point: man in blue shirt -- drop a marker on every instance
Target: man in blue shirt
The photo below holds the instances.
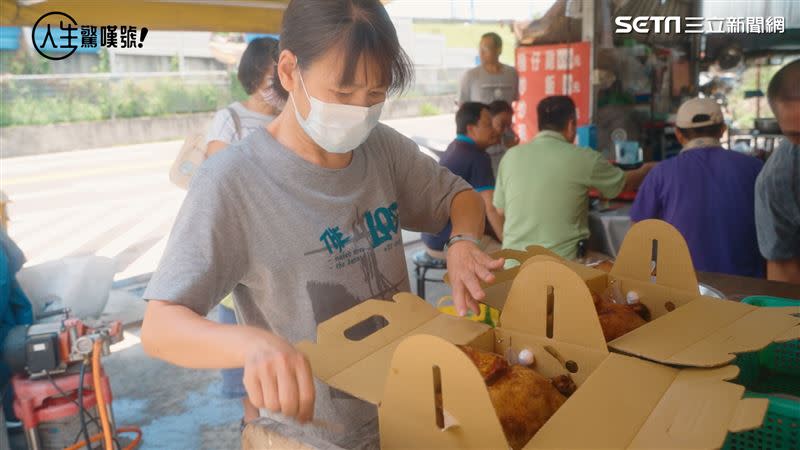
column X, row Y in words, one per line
column 466, row 157
column 707, row 193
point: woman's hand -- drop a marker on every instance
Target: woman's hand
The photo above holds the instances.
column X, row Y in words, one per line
column 467, row 266
column 278, row 377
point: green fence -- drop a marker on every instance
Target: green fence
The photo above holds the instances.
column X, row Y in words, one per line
column 46, row 99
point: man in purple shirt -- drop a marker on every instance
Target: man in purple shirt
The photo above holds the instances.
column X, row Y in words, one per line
column 707, row 193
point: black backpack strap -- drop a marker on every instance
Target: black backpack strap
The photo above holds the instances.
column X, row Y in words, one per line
column 236, row 123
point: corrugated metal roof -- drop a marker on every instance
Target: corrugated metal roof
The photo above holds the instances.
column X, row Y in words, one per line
column 788, row 9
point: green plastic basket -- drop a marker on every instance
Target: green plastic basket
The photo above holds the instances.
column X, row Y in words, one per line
column 776, row 368
column 781, row 428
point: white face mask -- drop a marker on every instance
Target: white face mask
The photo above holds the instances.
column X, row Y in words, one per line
column 335, row 127
column 272, row 98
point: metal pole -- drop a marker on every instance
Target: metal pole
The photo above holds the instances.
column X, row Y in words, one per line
column 587, row 35
column 472, row 11
column 696, row 49
column 758, row 87
column 4, row 444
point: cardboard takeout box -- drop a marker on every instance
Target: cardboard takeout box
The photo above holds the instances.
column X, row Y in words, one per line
column 621, row 401
column 686, row 329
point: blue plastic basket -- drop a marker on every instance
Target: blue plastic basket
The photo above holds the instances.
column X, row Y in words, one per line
column 781, row 428
column 776, row 368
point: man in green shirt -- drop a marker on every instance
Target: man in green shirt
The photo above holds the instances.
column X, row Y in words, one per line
column 542, row 186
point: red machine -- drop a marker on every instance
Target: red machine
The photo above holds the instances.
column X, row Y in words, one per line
column 51, row 348
column 48, row 410
column 60, row 389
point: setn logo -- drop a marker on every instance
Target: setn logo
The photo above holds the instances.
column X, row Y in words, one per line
column 627, row 24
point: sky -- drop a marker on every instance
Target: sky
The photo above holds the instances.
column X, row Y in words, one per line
column 468, row 9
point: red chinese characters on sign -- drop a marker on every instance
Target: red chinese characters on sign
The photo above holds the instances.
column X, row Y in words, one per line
column 546, row 70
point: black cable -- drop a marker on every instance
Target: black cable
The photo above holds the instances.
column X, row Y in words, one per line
column 84, row 428
column 83, row 410
column 79, row 404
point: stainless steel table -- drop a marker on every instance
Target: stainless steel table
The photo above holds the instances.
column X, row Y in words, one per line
column 608, row 228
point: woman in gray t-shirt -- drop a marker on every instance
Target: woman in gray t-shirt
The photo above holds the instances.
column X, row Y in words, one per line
column 232, row 124
column 303, row 219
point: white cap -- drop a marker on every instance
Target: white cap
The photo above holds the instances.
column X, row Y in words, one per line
column 699, row 112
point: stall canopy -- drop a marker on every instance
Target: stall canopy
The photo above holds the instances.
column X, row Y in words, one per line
column 261, row 16
column 756, row 44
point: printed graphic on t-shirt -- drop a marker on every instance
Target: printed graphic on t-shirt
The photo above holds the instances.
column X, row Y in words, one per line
column 356, row 244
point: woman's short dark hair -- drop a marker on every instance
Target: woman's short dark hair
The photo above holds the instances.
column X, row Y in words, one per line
column 499, row 107
column 469, row 113
column 361, row 27
column 555, row 112
column 260, row 55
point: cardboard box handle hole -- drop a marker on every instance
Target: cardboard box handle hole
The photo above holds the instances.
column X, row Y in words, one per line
column 366, row 328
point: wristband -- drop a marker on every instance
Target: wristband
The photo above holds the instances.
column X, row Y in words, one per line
column 460, row 237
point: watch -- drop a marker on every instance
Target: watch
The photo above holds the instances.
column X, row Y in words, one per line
column 460, row 237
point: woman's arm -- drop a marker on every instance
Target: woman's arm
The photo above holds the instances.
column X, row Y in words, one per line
column 496, row 219
column 786, row 270
column 634, row 178
column 468, row 265
column 214, row 147
column 276, row 375
column 221, row 132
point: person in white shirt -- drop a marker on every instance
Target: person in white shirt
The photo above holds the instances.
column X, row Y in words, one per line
column 237, row 120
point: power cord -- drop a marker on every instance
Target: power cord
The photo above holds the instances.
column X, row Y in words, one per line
column 83, row 411
column 84, row 428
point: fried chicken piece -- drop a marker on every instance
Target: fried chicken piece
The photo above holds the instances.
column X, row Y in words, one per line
column 616, row 319
column 522, row 398
column 605, row 266
column 490, row 365
column 564, row 384
column 524, row 401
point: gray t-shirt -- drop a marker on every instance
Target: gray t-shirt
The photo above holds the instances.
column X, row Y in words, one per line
column 223, row 127
column 478, row 85
column 778, row 204
column 298, row 243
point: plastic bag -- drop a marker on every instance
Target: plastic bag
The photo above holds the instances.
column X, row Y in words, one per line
column 81, row 284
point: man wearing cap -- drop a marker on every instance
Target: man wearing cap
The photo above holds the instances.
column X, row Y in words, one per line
column 707, row 193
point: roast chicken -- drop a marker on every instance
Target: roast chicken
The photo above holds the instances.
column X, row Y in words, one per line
column 618, row 319
column 522, row 398
column 605, row 266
